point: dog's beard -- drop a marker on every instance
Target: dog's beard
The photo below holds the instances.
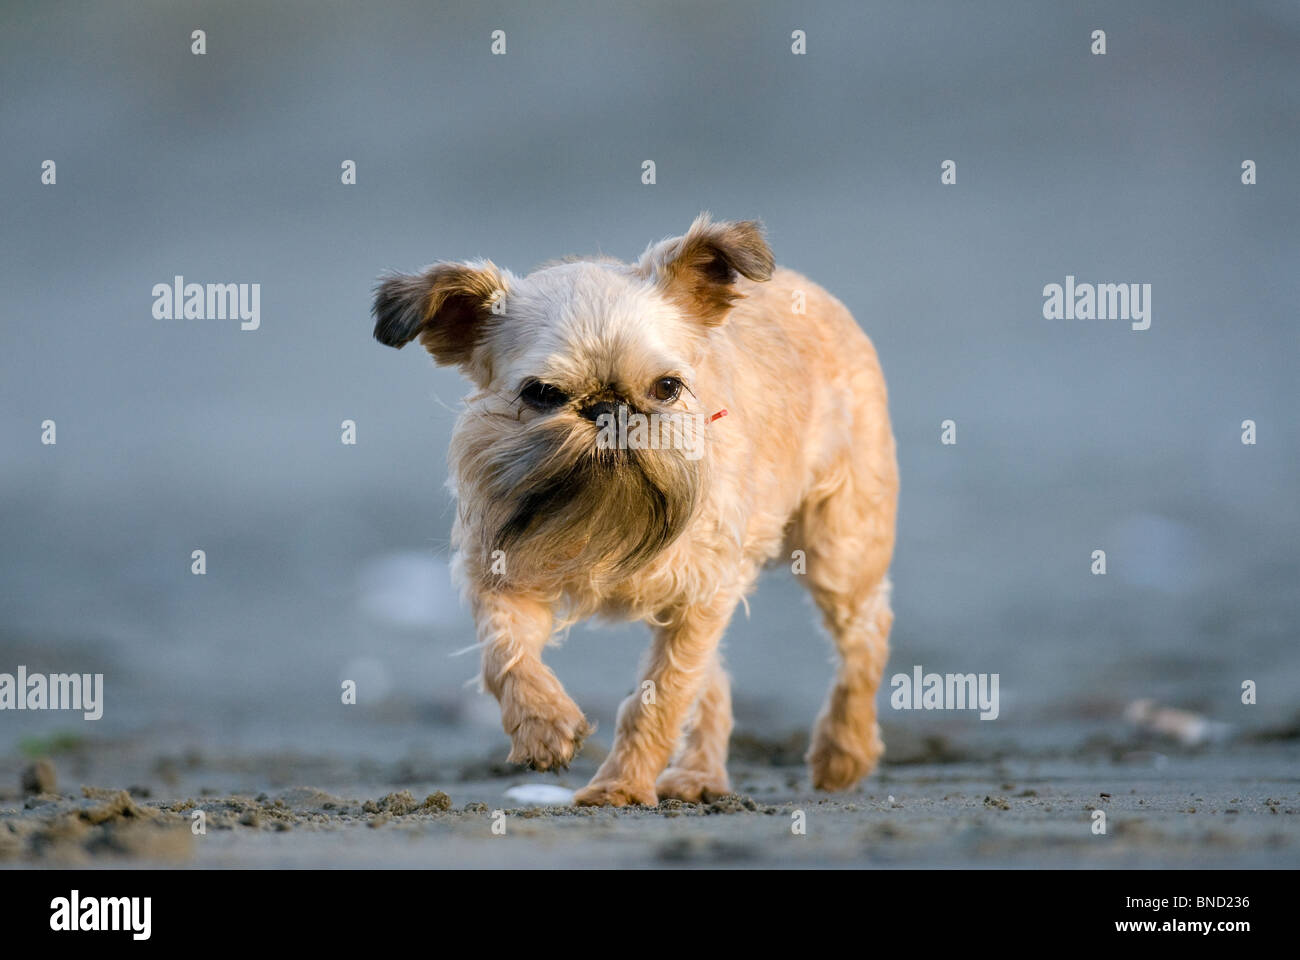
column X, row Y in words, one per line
column 558, row 507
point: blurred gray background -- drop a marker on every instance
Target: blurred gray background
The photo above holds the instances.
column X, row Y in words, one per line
column 328, row 562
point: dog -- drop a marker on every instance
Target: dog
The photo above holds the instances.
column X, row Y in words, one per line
column 774, row 443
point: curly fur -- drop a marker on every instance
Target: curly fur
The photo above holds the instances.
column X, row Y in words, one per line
column 550, row 529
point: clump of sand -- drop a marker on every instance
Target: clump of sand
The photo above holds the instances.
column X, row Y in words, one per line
column 403, row 802
column 106, row 823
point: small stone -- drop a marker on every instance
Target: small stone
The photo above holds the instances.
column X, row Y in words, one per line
column 39, row 777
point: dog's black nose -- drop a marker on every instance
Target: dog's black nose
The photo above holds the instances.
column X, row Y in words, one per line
column 593, row 411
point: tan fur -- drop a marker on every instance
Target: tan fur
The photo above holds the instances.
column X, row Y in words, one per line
column 804, row 460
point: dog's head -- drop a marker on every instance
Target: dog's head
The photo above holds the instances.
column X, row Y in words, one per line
column 582, row 453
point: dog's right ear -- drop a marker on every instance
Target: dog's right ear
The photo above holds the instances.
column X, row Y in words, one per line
column 449, row 307
column 699, row 270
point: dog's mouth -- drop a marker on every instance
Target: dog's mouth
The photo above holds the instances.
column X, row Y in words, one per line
column 559, row 502
column 584, row 486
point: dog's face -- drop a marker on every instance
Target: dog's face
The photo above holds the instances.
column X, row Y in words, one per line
column 583, row 452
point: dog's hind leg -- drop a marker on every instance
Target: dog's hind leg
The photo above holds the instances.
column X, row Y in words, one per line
column 699, row 771
column 846, row 742
column 846, row 529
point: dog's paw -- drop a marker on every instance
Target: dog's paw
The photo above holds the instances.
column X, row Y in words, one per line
column 548, row 736
column 693, row 786
column 839, row 763
column 614, row 793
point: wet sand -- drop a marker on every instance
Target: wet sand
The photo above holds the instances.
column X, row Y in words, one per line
column 124, row 805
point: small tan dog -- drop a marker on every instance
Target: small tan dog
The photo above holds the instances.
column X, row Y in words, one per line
column 642, row 440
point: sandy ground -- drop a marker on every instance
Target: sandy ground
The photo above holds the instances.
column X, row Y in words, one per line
column 121, row 804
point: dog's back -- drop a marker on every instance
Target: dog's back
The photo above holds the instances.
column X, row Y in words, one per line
column 804, row 377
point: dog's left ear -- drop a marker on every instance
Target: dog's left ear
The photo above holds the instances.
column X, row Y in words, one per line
column 448, row 306
column 699, row 270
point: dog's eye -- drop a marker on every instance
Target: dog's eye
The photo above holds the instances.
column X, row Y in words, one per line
column 542, row 396
column 666, row 389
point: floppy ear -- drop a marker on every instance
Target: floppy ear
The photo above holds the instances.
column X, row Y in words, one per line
column 448, row 306
column 699, row 270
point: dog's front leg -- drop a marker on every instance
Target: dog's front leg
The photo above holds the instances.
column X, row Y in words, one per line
column 650, row 720
column 545, row 726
